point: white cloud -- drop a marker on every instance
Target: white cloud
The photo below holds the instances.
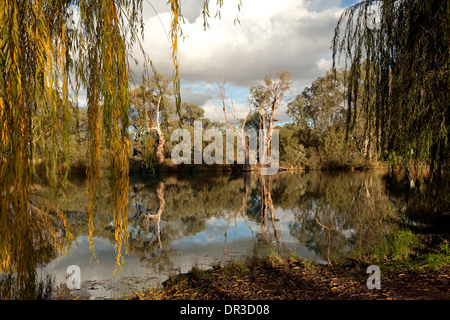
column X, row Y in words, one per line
column 213, row 111
column 292, row 35
column 324, row 64
column 188, row 94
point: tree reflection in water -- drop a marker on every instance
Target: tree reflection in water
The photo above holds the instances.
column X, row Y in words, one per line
column 28, row 240
column 241, row 210
column 333, row 215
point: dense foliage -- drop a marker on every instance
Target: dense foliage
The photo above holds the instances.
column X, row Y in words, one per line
column 403, row 48
column 49, row 49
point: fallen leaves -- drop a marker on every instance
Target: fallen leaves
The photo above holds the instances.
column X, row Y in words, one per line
column 294, row 281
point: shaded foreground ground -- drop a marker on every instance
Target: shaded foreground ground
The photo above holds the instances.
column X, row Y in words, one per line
column 295, row 280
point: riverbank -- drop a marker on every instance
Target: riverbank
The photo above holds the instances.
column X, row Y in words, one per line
column 424, row 275
column 137, row 165
column 295, row 281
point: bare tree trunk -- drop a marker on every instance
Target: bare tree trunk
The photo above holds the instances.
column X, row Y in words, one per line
column 241, row 132
column 161, row 143
column 271, row 125
column 262, row 126
column 157, row 127
column 247, row 166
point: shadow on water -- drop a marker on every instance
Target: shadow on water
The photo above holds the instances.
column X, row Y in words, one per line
column 426, row 205
column 177, row 221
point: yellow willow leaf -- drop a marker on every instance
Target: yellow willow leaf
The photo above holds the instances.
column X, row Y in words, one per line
column 174, row 47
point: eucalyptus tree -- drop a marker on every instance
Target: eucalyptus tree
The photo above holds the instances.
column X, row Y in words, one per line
column 267, row 98
column 190, row 112
column 150, row 104
column 321, row 107
column 322, row 104
column 403, row 46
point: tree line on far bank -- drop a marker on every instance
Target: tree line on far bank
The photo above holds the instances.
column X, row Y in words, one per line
column 314, row 138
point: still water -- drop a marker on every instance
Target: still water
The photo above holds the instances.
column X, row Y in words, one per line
column 176, row 222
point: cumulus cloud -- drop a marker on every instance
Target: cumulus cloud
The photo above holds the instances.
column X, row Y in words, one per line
column 190, row 95
column 324, row 64
column 272, row 36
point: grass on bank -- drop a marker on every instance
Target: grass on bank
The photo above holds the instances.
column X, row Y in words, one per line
column 404, row 249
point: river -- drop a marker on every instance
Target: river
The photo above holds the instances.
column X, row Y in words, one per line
column 179, row 221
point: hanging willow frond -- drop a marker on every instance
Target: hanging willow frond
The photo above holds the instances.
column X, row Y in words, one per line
column 34, row 122
column 403, row 46
column 49, row 48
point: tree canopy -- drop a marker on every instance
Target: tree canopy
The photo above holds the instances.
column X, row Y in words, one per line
column 320, row 105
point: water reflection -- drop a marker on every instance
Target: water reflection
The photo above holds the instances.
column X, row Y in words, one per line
column 343, row 214
column 175, row 222
column 29, row 239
